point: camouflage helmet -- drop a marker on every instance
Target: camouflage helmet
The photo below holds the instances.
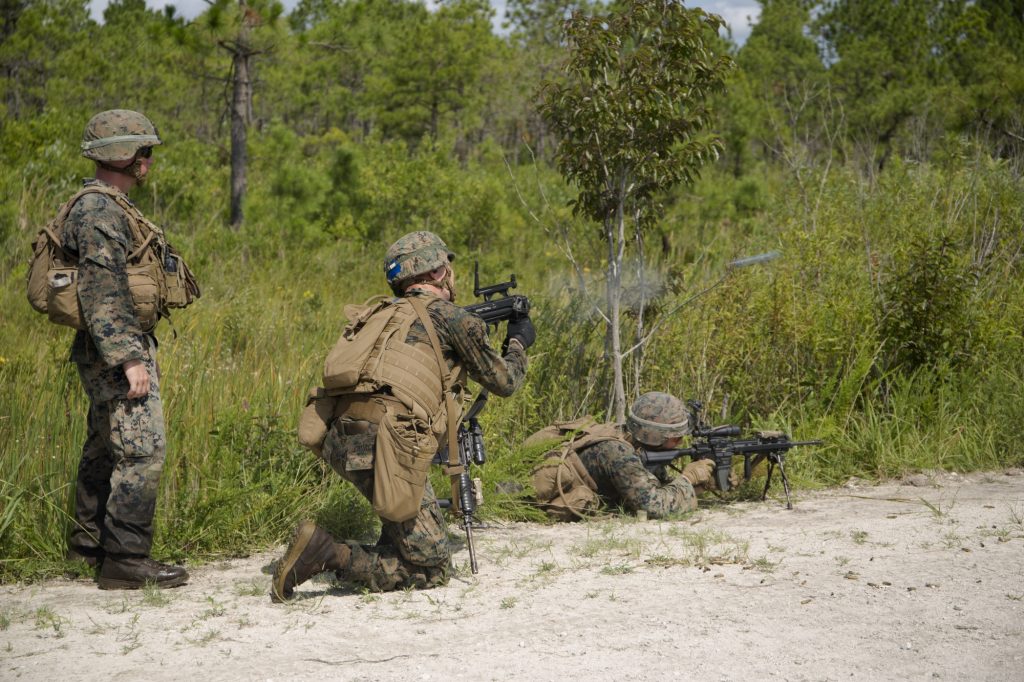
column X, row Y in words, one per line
column 416, row 253
column 117, row 134
column 656, row 417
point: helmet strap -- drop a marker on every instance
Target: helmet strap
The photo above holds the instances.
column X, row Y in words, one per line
column 133, row 170
column 446, row 283
column 449, row 283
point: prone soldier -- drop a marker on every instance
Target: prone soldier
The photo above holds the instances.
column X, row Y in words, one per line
column 601, row 463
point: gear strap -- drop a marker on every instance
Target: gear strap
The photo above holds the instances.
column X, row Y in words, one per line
column 454, row 467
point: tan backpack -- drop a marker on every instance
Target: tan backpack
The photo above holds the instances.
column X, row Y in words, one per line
column 562, row 485
column 418, row 408
column 158, row 278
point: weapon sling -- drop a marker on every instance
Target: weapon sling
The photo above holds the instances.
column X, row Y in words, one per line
column 455, row 467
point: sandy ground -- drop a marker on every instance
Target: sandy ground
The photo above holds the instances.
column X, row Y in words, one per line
column 922, row 579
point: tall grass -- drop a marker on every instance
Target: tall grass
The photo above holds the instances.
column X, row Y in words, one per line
column 795, row 344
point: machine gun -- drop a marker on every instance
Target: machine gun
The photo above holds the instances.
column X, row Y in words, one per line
column 721, row 443
column 470, row 436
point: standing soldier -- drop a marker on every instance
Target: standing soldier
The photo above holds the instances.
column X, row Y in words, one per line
column 391, row 383
column 115, row 351
column 613, row 470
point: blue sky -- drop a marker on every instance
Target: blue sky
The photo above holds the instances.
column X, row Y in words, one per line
column 737, row 13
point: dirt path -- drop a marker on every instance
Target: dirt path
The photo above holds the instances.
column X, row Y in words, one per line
column 864, row 583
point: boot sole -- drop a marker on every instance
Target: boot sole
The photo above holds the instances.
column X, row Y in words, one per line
column 303, row 534
column 113, row 584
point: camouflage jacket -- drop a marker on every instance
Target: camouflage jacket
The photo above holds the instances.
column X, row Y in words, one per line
column 623, row 479
column 463, row 339
column 97, row 231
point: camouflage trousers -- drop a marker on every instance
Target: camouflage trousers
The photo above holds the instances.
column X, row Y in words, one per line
column 412, row 553
column 118, row 475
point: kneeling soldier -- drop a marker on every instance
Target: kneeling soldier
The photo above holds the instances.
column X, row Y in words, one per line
column 396, row 372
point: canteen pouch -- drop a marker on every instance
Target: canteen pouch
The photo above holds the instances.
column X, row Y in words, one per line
column 62, row 297
column 315, row 420
column 404, row 450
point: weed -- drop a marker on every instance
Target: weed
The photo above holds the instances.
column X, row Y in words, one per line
column 250, row 588
column 131, row 637
column 711, row 546
column 842, row 560
column 935, row 510
column 952, row 540
column 5, row 620
column 206, row 638
column 591, row 595
column 216, row 609
column 546, row 567
column 859, row 537
column 116, row 607
column 368, row 597
column 765, row 565
column 47, row 618
column 1015, row 597
column 508, row 602
column 664, row 561
column 1001, row 534
column 154, row 596
column 617, row 569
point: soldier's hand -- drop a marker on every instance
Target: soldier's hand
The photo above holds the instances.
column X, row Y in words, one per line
column 522, row 331
column 699, row 472
column 138, row 378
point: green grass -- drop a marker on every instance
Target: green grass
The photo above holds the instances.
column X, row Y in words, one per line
column 793, row 345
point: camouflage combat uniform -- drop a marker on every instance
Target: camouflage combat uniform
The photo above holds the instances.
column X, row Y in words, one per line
column 415, row 553
column 118, row 475
column 622, row 479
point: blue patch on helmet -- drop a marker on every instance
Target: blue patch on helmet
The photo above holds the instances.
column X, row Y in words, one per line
column 392, row 270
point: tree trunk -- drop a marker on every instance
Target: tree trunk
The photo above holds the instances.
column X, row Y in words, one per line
column 615, row 232
column 241, row 106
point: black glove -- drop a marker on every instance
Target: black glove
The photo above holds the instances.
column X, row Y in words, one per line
column 522, row 331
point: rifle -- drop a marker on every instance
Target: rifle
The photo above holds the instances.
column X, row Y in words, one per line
column 721, row 443
column 507, row 307
column 470, row 435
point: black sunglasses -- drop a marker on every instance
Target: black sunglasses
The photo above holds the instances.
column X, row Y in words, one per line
column 145, row 152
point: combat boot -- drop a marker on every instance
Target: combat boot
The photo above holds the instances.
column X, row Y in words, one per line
column 131, row 573
column 311, row 551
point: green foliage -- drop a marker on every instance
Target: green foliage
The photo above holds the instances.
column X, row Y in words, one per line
column 633, row 112
column 927, row 307
column 890, row 327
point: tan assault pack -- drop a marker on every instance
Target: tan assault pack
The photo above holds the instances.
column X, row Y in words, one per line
column 563, row 487
column 406, row 389
column 158, row 278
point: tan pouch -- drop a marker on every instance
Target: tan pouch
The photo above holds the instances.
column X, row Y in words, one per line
column 316, row 419
column 62, row 297
column 563, row 487
column 145, row 282
column 182, row 287
column 404, row 449
column 573, row 505
column 345, row 363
